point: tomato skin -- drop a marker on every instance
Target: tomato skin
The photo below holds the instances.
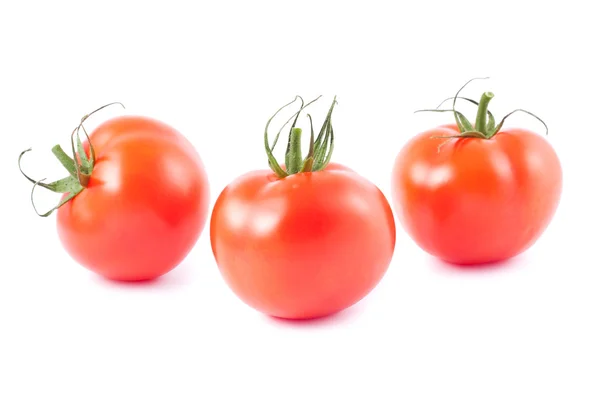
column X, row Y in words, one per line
column 304, row 246
column 472, row 200
column 146, row 203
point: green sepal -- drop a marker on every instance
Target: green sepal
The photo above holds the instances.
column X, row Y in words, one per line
column 321, row 148
column 324, row 143
column 70, row 184
column 485, row 123
column 72, row 187
column 65, row 160
column 491, row 125
column 518, row 110
column 64, row 185
column 325, row 158
column 307, row 165
column 83, row 158
column 79, row 166
column 467, row 134
column 273, row 164
column 462, row 126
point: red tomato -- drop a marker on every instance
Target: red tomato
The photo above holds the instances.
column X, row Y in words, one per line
column 303, row 246
column 144, row 206
column 471, row 200
column 305, row 242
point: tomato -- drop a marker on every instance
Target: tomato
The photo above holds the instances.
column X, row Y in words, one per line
column 144, row 204
column 303, row 245
column 473, row 196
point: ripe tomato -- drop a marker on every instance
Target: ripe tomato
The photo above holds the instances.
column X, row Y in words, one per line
column 144, row 205
column 303, row 245
column 469, row 198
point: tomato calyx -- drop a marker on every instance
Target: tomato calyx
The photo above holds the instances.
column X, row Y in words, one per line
column 320, row 148
column 485, row 126
column 79, row 166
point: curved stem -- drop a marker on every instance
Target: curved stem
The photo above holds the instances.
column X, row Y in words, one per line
column 464, row 125
column 30, row 179
column 86, row 116
column 481, row 119
column 458, row 98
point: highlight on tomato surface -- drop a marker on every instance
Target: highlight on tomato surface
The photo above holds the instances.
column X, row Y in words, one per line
column 135, row 200
column 306, row 238
column 474, row 193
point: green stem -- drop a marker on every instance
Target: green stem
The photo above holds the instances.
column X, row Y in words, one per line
column 319, row 153
column 481, row 120
column 293, row 157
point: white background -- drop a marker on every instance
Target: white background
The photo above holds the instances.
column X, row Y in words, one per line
column 525, row 329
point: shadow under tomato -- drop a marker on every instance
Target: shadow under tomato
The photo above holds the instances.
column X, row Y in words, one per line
column 177, row 277
column 481, row 267
column 340, row 317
